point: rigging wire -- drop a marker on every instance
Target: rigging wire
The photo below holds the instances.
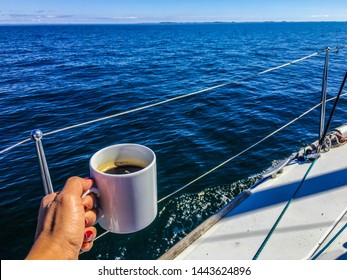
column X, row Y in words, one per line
column 15, row 145
column 231, row 158
column 267, row 238
column 237, row 155
column 184, row 95
column 247, row 149
column 333, row 110
column 174, row 98
column 191, row 94
column 170, row 99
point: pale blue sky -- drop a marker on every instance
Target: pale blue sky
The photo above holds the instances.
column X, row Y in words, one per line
column 142, row 11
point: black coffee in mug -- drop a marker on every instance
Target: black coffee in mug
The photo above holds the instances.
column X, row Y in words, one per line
column 118, row 168
column 123, row 169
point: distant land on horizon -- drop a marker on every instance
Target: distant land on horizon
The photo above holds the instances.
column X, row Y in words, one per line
column 168, row 22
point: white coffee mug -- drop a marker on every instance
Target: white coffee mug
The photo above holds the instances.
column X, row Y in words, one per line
column 127, row 202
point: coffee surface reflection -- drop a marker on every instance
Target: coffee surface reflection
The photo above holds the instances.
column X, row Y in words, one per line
column 124, row 169
column 119, row 168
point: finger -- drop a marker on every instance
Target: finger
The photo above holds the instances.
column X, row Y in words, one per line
column 90, row 218
column 89, row 202
column 45, row 206
column 47, row 200
column 77, row 186
column 45, row 203
column 89, row 234
column 86, row 246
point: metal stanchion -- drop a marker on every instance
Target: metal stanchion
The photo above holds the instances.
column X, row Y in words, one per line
column 37, row 135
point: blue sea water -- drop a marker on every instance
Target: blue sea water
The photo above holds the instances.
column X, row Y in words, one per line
column 54, row 76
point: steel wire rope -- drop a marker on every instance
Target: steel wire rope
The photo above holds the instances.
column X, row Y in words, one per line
column 274, row 227
column 247, row 149
column 167, row 100
column 240, row 153
column 182, row 96
column 174, row 98
column 191, row 94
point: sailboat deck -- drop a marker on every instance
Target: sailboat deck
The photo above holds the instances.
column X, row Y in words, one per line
column 317, row 211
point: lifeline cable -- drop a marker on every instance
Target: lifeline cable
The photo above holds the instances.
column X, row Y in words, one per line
column 187, row 95
column 170, row 99
column 175, row 98
column 245, row 150
column 306, row 174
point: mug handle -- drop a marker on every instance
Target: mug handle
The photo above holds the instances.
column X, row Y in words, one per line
column 93, row 190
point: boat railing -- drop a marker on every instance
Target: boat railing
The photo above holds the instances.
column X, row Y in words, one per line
column 37, row 135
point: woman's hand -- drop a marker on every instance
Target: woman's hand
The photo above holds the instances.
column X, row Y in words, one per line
column 65, row 222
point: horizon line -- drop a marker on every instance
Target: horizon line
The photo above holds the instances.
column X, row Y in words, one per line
column 168, row 22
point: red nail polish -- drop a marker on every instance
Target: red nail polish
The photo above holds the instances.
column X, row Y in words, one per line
column 88, row 234
column 85, row 207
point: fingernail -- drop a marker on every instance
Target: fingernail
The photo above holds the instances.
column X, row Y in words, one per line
column 85, row 207
column 88, row 234
column 88, row 178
